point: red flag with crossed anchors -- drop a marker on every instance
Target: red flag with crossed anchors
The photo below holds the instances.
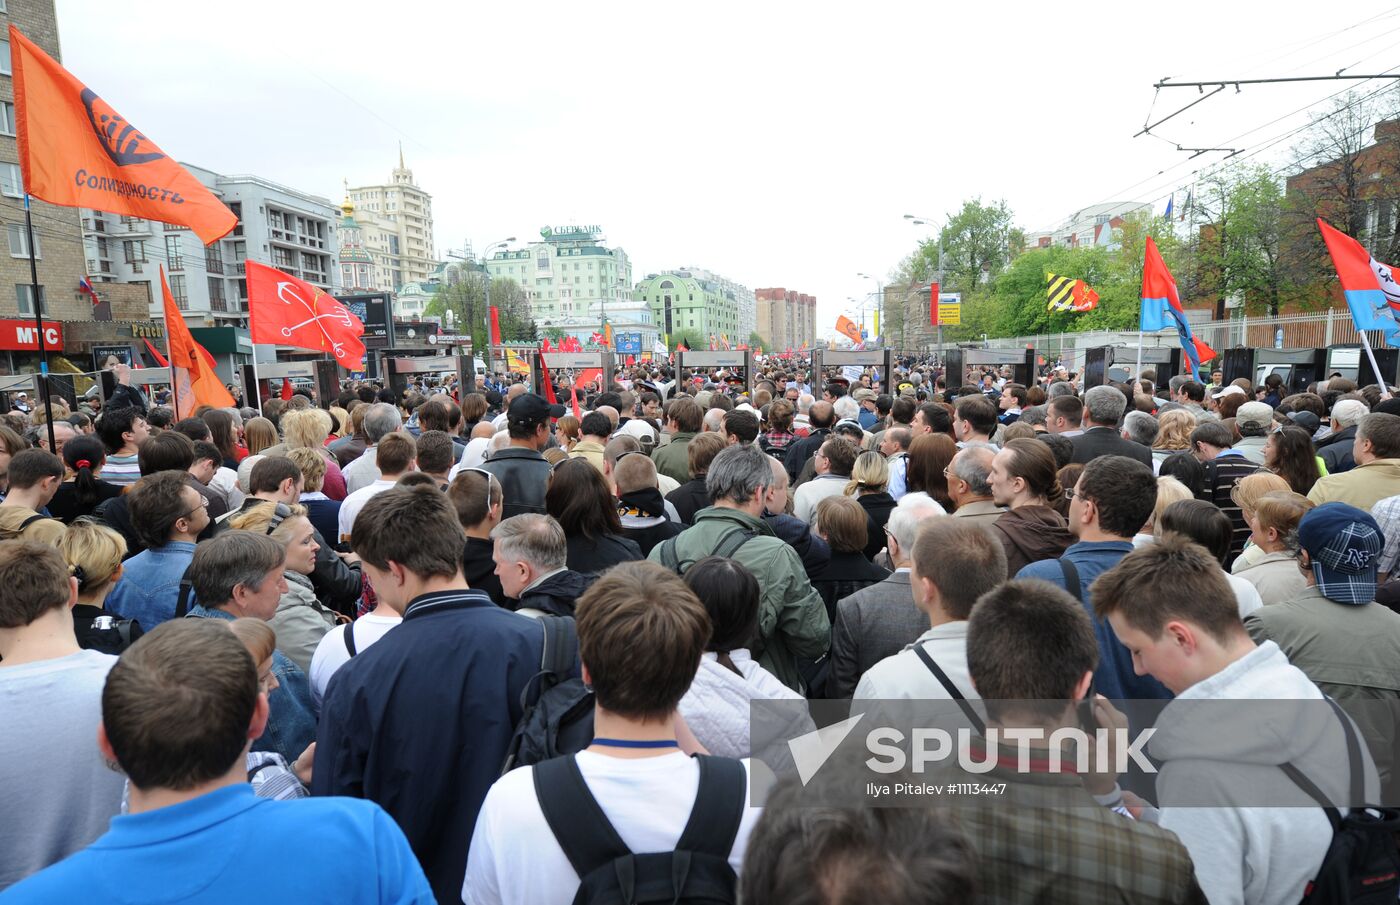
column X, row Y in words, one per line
column 286, row 311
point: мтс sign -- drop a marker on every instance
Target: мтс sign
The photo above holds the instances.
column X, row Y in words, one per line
column 23, row 336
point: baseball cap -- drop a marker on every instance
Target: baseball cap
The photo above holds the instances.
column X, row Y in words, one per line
column 1344, row 544
column 1306, row 420
column 863, row 394
column 1230, row 390
column 530, row 411
column 636, row 427
column 1256, row 413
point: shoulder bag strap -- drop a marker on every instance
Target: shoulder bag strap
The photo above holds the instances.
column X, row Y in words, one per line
column 1354, row 762
column 719, row 807
column 730, row 543
column 578, row 823
column 31, row 520
column 182, row 604
column 669, row 559
column 952, row 689
column 1072, row 583
column 350, row 639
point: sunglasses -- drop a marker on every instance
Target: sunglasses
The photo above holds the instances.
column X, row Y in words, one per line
column 489, row 478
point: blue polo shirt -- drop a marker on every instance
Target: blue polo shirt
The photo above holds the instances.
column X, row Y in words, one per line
column 1114, row 678
column 231, row 847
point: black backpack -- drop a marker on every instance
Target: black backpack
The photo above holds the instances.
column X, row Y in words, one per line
column 729, row 544
column 696, row 873
column 1362, row 865
column 556, row 707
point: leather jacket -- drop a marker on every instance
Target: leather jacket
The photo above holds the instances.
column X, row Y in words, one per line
column 524, row 477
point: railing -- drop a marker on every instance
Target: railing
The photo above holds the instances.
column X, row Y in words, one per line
column 214, row 265
column 182, row 301
column 240, row 269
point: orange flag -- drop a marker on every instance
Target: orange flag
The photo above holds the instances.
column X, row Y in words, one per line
column 848, row 328
column 76, row 151
column 191, row 376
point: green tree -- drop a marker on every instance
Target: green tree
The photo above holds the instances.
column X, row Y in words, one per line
column 466, row 299
column 976, row 242
column 758, row 342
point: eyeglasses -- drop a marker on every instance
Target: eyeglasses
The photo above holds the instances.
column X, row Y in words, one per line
column 203, row 504
column 1069, row 493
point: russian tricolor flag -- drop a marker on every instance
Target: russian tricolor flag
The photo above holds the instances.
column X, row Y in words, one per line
column 1369, row 288
column 1161, row 308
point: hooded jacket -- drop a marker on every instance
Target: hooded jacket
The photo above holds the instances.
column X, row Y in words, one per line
column 644, row 519
column 1248, row 855
column 1030, row 534
column 689, row 498
column 301, row 621
column 556, row 595
column 814, row 550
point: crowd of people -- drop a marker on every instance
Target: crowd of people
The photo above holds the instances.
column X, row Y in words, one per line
column 451, row 645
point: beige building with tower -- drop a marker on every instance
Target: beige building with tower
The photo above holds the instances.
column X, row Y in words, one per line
column 396, row 229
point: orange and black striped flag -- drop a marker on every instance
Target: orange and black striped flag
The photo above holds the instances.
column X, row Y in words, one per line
column 1069, row 294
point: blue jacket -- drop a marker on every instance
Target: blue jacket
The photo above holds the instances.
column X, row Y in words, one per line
column 420, row 722
column 150, row 584
column 229, row 846
column 1114, row 678
column 291, row 724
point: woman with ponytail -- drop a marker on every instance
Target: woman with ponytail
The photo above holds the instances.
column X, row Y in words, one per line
column 94, row 556
column 1023, row 478
column 82, row 488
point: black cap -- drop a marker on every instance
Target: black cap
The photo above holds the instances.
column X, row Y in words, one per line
column 530, row 411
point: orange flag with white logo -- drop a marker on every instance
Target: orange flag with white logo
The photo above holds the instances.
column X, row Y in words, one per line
column 191, row 372
column 76, row 151
column 847, row 327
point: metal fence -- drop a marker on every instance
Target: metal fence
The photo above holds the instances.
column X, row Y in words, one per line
column 1288, row 331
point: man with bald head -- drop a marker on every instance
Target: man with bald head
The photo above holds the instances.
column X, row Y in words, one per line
column 822, row 416
column 968, row 486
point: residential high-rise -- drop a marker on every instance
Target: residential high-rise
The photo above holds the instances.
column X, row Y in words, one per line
column 397, row 222
column 786, row 319
column 278, row 226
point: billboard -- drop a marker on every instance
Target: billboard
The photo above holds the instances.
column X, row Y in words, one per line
column 628, row 343
column 375, row 310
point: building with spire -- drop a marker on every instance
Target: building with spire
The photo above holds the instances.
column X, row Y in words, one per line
column 396, row 226
column 357, row 268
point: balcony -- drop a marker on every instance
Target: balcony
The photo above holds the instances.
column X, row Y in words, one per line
column 136, row 267
column 218, row 303
column 214, row 265
column 240, row 268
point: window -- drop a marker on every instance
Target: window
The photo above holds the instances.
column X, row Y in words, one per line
column 177, row 287
column 24, row 293
column 5, row 56
column 174, row 258
column 19, row 244
column 134, row 251
column 7, row 118
column 11, row 182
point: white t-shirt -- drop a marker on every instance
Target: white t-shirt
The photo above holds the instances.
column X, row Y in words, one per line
column 514, row 857
column 352, row 504
column 331, row 654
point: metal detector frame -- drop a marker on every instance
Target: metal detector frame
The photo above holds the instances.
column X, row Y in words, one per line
column 734, row 358
column 1099, row 359
column 324, row 372
column 960, row 359
column 397, row 370
column 569, row 361
column 878, row 358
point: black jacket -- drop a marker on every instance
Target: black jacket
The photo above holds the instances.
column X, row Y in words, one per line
column 65, row 506
column 1335, row 450
column 1106, row 441
column 556, row 595
column 689, row 498
column 842, row 576
column 812, row 549
column 596, row 556
column 799, row 452
column 644, row 518
column 480, row 569
column 524, row 477
column 878, row 506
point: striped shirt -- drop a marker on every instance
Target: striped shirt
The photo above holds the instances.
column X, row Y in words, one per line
column 121, row 470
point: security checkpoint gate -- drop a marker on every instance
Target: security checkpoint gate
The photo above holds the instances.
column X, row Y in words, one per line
column 959, row 361
column 729, row 360
column 881, row 359
column 398, row 371
column 570, row 362
column 1297, row 367
column 1116, row 364
column 321, row 374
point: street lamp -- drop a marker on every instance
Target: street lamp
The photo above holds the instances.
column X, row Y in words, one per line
column 916, row 220
column 486, row 256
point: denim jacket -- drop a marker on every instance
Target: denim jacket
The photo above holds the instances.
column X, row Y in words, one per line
column 291, row 723
column 150, row 584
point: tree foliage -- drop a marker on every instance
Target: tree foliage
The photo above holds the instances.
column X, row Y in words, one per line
column 465, row 297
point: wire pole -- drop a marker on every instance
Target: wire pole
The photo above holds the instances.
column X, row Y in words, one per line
column 39, row 325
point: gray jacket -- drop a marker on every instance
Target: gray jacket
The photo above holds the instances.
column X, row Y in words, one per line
column 875, row 622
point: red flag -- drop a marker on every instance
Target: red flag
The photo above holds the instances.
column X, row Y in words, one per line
column 286, row 388
column 76, row 151
column 547, row 382
column 289, row 312
column 160, row 359
column 495, row 326
column 544, row 345
column 933, row 305
column 194, row 381
column 573, row 397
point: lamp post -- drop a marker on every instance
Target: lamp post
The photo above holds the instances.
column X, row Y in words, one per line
column 932, row 301
column 485, row 256
column 879, row 295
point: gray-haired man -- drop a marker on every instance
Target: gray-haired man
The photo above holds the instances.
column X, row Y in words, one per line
column 530, row 553
column 968, row 485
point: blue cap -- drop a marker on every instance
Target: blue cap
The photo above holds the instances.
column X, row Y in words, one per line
column 1344, row 544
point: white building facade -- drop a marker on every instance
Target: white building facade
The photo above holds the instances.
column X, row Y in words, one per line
column 396, row 219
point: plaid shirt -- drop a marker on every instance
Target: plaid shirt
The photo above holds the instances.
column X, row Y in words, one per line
column 1047, row 840
column 1387, row 516
column 770, row 441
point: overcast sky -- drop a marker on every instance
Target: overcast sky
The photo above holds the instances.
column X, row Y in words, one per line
column 778, row 144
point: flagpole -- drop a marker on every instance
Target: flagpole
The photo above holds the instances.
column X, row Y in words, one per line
column 1375, row 368
column 169, row 352
column 1137, row 371
column 257, row 383
column 39, row 324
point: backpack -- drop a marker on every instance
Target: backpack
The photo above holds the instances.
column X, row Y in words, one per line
column 108, row 634
column 696, row 873
column 12, row 533
column 729, row 544
column 556, row 707
column 1362, row 865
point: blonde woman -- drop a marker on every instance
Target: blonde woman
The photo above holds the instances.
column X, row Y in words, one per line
column 1173, row 433
column 1169, row 490
column 869, row 484
column 94, row 555
column 567, row 430
column 1273, row 523
column 308, row 429
column 323, row 511
column 1245, row 494
column 342, row 422
column 301, row 619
